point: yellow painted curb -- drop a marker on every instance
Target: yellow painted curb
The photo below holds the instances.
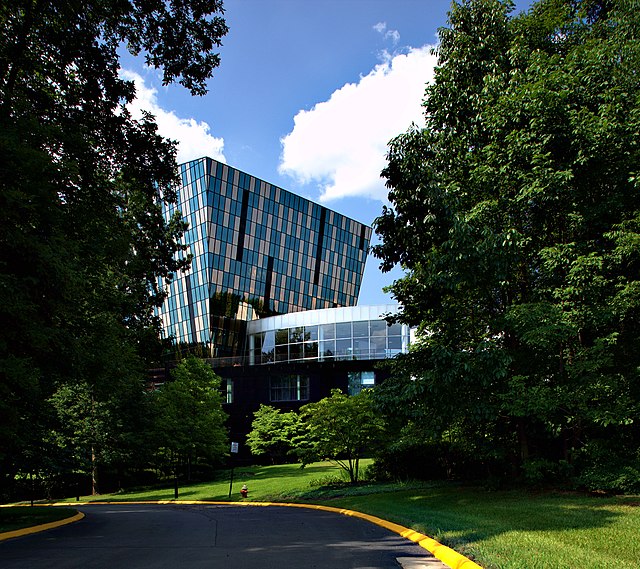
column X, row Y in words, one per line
column 448, row 556
column 41, row 527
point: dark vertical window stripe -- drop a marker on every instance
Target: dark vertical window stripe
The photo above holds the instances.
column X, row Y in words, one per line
column 316, row 273
column 192, row 315
column 267, row 284
column 363, row 231
column 243, row 224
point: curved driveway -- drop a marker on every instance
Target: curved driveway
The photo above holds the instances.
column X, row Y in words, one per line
column 212, row 536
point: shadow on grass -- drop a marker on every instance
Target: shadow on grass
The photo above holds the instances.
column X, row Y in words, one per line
column 280, row 471
column 186, row 493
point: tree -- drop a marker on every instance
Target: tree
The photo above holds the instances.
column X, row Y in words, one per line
column 514, row 214
column 273, row 433
column 82, row 187
column 343, row 429
column 190, row 420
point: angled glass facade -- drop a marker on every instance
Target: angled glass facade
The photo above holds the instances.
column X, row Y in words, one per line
column 258, row 250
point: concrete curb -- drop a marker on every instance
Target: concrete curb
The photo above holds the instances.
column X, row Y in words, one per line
column 42, row 527
column 448, row 556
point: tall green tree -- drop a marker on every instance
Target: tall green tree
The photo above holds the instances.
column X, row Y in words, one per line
column 189, row 419
column 514, row 212
column 189, row 423
column 82, row 186
column 342, row 428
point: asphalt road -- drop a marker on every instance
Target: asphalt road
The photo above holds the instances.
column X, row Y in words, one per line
column 201, row 536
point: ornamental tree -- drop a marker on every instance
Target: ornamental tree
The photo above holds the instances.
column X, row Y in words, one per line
column 342, row 428
column 273, row 433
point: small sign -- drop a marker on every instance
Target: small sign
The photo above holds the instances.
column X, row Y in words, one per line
column 234, row 447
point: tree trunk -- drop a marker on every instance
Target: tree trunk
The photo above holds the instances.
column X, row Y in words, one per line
column 524, row 442
column 94, row 472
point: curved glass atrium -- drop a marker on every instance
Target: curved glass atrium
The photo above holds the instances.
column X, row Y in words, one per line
column 352, row 333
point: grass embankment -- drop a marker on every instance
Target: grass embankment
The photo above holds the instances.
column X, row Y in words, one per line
column 499, row 529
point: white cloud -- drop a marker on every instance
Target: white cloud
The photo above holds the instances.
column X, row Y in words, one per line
column 393, row 35
column 194, row 138
column 341, row 143
column 380, row 27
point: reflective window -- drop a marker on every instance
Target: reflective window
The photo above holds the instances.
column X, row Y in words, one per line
column 282, row 353
column 378, row 327
column 296, row 334
column 289, row 388
column 227, row 390
column 282, row 336
column 311, row 350
column 359, row 380
column 343, row 349
column 268, row 344
column 343, row 330
column 328, row 331
column 328, row 348
column 378, row 347
column 311, row 333
column 295, row 352
column 395, row 330
column 361, row 348
column 360, row 329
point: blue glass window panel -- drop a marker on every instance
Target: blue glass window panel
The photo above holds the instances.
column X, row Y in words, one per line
column 343, row 349
column 328, row 331
column 395, row 330
column 311, row 333
column 327, row 348
column 361, row 329
column 343, row 330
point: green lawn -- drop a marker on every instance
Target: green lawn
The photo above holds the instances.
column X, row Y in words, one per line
column 517, row 529
column 18, row 517
column 499, row 529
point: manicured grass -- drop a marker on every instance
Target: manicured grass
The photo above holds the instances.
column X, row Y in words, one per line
column 517, row 529
column 499, row 529
column 18, row 517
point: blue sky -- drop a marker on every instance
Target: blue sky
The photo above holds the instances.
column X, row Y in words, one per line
column 307, row 96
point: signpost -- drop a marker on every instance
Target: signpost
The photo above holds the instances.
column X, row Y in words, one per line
column 234, row 450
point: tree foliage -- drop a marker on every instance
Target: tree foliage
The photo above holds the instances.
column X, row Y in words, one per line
column 514, row 212
column 82, row 235
column 273, row 433
column 342, row 428
column 189, row 419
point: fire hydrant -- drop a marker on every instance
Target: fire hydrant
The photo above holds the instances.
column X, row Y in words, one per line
column 244, row 491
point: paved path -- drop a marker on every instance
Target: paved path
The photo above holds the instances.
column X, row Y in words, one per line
column 201, row 536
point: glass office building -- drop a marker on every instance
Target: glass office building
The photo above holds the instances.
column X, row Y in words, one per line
column 258, row 250
column 270, row 299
